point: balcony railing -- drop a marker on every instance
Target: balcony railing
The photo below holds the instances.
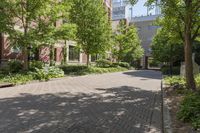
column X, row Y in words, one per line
column 122, row 3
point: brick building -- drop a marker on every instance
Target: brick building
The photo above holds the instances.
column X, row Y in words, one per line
column 73, row 55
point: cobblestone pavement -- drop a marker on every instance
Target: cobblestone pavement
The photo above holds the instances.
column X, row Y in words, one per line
column 127, row 102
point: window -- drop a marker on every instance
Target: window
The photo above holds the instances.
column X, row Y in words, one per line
column 94, row 58
column 73, row 53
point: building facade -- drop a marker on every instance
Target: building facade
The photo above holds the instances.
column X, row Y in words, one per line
column 122, row 10
column 74, row 55
column 146, row 32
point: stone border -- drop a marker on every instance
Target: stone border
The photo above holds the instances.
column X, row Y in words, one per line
column 166, row 118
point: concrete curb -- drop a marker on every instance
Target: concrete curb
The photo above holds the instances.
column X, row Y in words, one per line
column 166, row 119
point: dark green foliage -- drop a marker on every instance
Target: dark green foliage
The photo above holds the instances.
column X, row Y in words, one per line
column 36, row 64
column 73, row 69
column 127, row 45
column 15, row 66
column 45, row 73
column 98, row 70
column 166, row 70
column 103, row 63
column 175, row 80
column 121, row 64
column 190, row 110
column 166, row 48
column 16, row 78
column 83, row 70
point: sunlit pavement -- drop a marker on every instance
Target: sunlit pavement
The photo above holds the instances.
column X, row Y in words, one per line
column 127, row 102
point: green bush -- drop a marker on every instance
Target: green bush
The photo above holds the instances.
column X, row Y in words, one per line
column 55, row 72
column 166, row 70
column 103, row 63
column 36, row 64
column 122, row 64
column 98, row 70
column 47, row 73
column 175, row 80
column 83, row 70
column 15, row 66
column 190, row 110
column 73, row 69
column 17, row 78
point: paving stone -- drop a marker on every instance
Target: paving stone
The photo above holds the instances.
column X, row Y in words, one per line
column 109, row 103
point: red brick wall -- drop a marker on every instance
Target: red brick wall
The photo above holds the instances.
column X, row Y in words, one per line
column 6, row 52
column 44, row 54
column 59, row 54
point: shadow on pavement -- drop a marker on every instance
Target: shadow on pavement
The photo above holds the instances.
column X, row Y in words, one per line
column 114, row 110
column 145, row 74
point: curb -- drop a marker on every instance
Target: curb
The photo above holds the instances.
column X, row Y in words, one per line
column 166, row 119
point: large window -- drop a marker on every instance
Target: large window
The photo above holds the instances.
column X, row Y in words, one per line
column 74, row 53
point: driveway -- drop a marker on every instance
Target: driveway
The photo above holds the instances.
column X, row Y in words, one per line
column 125, row 102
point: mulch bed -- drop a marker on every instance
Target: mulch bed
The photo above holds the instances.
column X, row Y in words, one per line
column 173, row 99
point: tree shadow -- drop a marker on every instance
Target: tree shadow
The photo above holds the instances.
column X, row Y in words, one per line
column 114, row 110
column 145, row 74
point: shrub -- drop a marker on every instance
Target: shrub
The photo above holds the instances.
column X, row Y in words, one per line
column 166, row 70
column 48, row 72
column 175, row 80
column 83, row 70
column 123, row 64
column 17, row 78
column 73, row 69
column 98, row 70
column 36, row 64
column 55, row 72
column 15, row 66
column 190, row 110
column 103, row 63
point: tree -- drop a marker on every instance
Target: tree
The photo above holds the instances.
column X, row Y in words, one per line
column 165, row 48
column 184, row 14
column 93, row 26
column 31, row 23
column 127, row 43
column 66, row 32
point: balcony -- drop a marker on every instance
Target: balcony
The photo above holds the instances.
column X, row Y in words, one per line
column 119, row 4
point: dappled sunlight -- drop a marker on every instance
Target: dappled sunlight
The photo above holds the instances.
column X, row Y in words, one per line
column 82, row 112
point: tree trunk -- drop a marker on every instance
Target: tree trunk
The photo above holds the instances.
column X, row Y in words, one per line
column 189, row 64
column 51, row 55
column 188, row 48
column 88, row 59
column 1, row 46
column 65, row 54
column 25, row 58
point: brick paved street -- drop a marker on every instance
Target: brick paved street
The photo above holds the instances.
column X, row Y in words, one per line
column 127, row 102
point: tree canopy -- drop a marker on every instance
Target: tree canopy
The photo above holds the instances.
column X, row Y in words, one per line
column 32, row 23
column 182, row 18
column 93, row 26
column 127, row 43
